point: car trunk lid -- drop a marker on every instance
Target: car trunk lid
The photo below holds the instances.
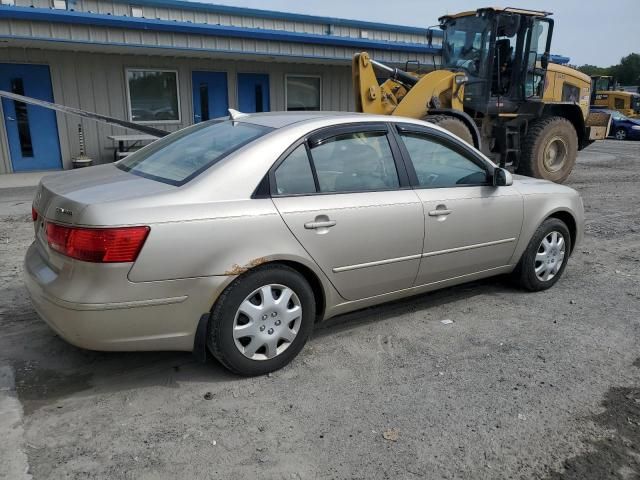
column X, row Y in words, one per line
column 62, row 197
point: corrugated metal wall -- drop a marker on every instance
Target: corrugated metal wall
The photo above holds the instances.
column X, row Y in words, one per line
column 119, row 8
column 99, row 35
column 96, row 82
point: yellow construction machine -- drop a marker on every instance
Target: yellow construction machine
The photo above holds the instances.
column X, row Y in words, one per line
column 496, row 89
column 606, row 95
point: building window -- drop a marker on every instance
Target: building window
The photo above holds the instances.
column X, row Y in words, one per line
column 60, row 4
column 303, row 92
column 136, row 11
column 153, row 96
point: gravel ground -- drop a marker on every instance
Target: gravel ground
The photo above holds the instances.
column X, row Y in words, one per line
column 521, row 385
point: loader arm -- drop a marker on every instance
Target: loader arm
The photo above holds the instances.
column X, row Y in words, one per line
column 437, row 89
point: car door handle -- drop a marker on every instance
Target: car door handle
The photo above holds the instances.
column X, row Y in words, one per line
column 322, row 224
column 439, row 212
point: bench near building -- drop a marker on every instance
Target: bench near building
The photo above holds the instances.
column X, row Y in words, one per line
column 168, row 64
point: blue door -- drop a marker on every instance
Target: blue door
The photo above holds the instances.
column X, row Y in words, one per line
column 209, row 95
column 32, row 131
column 253, row 92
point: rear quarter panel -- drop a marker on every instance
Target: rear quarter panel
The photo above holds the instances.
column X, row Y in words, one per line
column 239, row 235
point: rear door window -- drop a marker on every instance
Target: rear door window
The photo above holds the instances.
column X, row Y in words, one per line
column 355, row 162
column 182, row 156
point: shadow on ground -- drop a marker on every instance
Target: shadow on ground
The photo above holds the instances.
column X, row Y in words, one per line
column 422, row 301
column 48, row 369
column 618, row 455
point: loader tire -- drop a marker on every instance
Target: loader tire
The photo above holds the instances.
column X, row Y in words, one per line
column 549, row 149
column 453, row 125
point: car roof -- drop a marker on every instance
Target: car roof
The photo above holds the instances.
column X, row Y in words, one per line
column 284, row 119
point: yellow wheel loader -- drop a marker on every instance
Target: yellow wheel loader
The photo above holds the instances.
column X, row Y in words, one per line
column 496, row 89
column 605, row 95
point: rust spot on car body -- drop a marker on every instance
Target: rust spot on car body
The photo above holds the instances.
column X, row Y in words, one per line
column 239, row 269
column 257, row 261
column 235, row 270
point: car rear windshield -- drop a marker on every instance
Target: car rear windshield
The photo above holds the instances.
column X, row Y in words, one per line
column 182, row 156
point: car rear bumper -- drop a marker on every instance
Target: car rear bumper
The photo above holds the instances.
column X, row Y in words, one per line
column 141, row 316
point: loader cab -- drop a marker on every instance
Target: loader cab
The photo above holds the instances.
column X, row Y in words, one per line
column 603, row 83
column 504, row 52
column 605, row 93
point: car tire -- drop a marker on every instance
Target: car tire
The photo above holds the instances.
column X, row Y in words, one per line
column 275, row 333
column 621, row 134
column 541, row 257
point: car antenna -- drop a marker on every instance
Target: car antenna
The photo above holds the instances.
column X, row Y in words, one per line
column 235, row 114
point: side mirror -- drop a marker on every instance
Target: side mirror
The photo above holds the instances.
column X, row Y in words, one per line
column 544, row 60
column 502, row 178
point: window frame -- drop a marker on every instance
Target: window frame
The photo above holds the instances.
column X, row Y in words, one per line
column 457, row 146
column 286, row 91
column 153, row 69
column 326, row 133
column 273, row 182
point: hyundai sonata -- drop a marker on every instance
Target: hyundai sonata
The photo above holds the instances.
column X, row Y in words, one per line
column 236, row 236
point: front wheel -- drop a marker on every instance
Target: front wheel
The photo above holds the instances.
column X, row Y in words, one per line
column 262, row 320
column 621, row 134
column 545, row 258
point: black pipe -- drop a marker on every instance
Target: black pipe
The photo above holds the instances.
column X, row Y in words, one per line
column 396, row 73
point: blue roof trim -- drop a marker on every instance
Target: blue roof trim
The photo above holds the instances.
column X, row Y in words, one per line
column 84, row 18
column 234, row 53
column 274, row 15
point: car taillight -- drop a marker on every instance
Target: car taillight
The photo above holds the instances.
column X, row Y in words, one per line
column 101, row 245
column 34, row 214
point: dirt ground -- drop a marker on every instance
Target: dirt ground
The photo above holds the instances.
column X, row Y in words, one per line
column 521, row 385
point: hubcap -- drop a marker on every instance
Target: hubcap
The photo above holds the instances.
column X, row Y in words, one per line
column 550, row 256
column 267, row 322
column 621, row 134
column 555, row 154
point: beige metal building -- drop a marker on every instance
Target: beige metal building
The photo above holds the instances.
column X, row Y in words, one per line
column 168, row 64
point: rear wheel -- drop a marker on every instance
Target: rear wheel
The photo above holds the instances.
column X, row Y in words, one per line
column 549, row 149
column 621, row 134
column 453, row 125
column 262, row 320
